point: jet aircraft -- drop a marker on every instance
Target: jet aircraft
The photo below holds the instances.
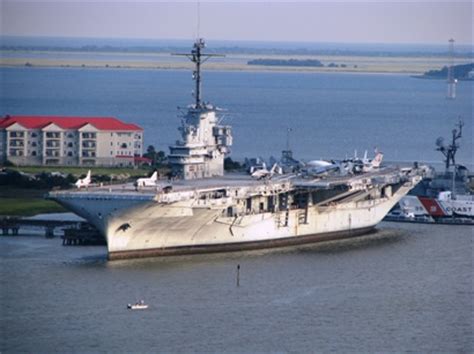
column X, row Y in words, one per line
column 84, row 182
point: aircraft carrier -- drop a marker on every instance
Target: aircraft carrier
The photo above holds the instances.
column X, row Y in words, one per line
column 207, row 211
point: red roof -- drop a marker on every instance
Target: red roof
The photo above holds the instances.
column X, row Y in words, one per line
column 39, row 122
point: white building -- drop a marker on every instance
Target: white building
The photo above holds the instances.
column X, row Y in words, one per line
column 53, row 140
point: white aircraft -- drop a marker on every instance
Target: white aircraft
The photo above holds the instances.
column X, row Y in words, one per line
column 320, row 167
column 147, row 182
column 264, row 173
column 370, row 165
column 365, row 164
column 84, row 182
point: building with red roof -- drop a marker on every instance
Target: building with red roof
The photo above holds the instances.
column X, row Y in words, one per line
column 60, row 140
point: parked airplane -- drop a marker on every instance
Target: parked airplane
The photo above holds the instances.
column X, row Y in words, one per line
column 365, row 164
column 147, row 182
column 264, row 173
column 320, row 168
column 371, row 165
column 84, row 182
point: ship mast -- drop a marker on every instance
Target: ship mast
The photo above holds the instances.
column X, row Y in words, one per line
column 198, row 58
column 450, row 151
column 205, row 142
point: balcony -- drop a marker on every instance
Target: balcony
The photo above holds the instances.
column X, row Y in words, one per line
column 52, row 144
column 89, row 135
column 52, row 153
column 53, row 135
column 88, row 154
column 89, row 144
column 16, row 143
column 17, row 134
column 16, row 152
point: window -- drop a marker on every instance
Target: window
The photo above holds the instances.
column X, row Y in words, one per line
column 33, row 153
column 33, row 144
column 69, row 145
column 34, row 135
column 69, row 153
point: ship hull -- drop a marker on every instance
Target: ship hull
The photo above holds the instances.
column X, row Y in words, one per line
column 240, row 246
column 139, row 225
column 161, row 230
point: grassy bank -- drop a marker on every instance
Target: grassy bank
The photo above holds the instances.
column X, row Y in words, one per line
column 26, row 202
column 17, row 201
column 28, row 206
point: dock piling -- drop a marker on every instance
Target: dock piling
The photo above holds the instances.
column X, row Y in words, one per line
column 238, row 275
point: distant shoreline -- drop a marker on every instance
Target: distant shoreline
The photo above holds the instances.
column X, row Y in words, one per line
column 345, row 64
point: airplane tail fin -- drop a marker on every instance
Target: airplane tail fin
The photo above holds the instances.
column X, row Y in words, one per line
column 274, row 168
column 377, row 161
column 365, row 156
column 154, row 176
column 88, row 177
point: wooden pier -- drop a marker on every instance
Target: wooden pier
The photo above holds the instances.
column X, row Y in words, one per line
column 74, row 232
column 86, row 234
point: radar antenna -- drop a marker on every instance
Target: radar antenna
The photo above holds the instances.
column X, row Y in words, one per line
column 198, row 58
column 450, row 151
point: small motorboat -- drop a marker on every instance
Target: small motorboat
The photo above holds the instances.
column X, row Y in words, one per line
column 140, row 305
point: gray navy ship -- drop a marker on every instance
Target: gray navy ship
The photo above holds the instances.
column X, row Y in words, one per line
column 441, row 197
column 205, row 210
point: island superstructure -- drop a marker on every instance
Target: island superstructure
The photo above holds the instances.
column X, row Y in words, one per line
column 207, row 211
column 205, row 142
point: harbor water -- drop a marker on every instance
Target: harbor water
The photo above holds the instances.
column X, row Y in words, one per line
column 407, row 287
column 330, row 115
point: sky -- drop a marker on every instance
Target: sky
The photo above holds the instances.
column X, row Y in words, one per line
column 349, row 21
